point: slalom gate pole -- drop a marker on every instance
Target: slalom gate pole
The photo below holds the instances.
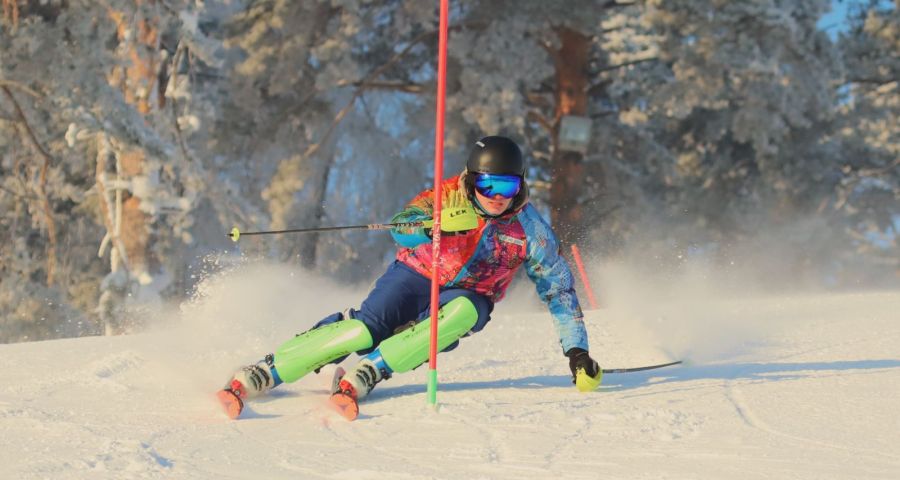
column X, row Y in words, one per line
column 236, row 234
column 583, row 274
column 438, row 180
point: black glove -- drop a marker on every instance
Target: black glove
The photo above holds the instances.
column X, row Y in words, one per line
column 579, row 358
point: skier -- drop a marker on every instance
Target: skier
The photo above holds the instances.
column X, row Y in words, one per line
column 488, row 231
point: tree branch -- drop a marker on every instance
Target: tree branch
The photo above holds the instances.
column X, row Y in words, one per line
column 18, row 195
column 106, row 210
column 602, row 114
column 602, row 83
column 879, row 171
column 610, row 30
column 361, row 86
column 596, row 87
column 626, row 64
column 873, row 81
column 22, row 119
column 395, row 86
column 8, row 118
column 19, row 86
column 42, row 186
column 541, row 120
column 615, row 4
column 220, row 200
column 370, row 79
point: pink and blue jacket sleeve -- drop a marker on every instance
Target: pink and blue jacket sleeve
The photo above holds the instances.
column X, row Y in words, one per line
column 417, row 210
column 553, row 279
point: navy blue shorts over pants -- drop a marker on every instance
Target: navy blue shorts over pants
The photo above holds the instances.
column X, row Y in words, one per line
column 402, row 295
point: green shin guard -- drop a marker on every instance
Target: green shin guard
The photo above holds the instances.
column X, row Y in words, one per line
column 318, row 347
column 409, row 348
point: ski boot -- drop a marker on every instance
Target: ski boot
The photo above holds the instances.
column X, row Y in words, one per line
column 249, row 382
column 356, row 384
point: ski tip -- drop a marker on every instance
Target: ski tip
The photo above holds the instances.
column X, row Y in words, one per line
column 231, row 403
column 345, row 405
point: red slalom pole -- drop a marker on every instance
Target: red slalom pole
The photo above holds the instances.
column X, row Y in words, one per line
column 438, row 179
column 584, row 278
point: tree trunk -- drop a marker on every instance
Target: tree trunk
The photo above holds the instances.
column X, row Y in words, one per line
column 567, row 168
column 309, row 247
column 136, row 75
column 134, row 229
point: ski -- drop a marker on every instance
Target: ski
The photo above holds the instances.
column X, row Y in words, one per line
column 343, row 398
column 231, row 402
column 639, row 369
column 345, row 405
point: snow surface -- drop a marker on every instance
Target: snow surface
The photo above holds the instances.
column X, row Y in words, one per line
column 799, row 386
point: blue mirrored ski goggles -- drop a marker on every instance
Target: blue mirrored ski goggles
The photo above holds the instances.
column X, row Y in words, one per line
column 490, row 185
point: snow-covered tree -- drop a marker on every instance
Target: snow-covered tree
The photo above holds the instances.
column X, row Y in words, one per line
column 88, row 150
column 868, row 134
column 747, row 79
column 144, row 130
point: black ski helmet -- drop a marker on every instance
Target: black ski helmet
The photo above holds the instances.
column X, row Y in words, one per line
column 496, row 154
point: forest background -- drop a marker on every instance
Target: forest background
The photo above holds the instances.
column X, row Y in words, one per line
column 135, row 134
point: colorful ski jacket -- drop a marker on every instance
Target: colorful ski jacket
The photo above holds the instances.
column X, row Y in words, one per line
column 485, row 259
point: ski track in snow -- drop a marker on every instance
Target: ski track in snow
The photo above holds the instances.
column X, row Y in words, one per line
column 736, row 397
column 815, row 398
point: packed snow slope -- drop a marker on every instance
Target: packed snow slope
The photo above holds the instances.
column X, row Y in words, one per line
column 793, row 386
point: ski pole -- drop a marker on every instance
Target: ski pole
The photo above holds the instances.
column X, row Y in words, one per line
column 235, row 233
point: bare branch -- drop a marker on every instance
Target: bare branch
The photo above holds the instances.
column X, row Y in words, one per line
column 610, row 30
column 398, row 56
column 602, row 83
column 108, row 211
column 879, row 171
column 598, row 86
column 41, row 188
column 18, row 195
column 872, row 81
column 22, row 119
column 370, row 79
column 538, row 100
column 396, row 86
column 214, row 193
column 603, row 114
column 8, row 118
column 626, row 64
column 541, row 120
column 19, row 86
column 615, row 4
